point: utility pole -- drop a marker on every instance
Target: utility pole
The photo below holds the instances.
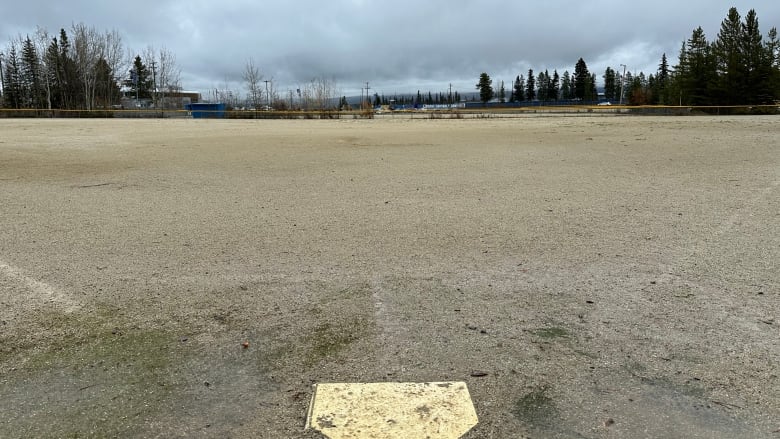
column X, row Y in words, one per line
column 622, row 83
column 368, row 98
column 154, row 84
column 449, row 98
column 267, row 95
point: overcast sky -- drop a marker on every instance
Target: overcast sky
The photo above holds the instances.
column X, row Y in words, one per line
column 396, row 45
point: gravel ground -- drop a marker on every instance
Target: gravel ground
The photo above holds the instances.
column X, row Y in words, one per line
column 588, row 277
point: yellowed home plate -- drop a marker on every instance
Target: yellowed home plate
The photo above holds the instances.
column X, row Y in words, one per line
column 392, row 410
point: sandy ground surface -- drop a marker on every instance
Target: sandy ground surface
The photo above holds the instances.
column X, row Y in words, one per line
column 609, row 277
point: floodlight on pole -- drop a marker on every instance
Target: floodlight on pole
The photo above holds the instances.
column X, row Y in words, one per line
column 622, row 83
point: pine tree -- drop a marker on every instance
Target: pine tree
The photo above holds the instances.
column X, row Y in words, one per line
column 731, row 63
column 757, row 68
column 140, row 80
column 582, row 80
column 106, row 89
column 518, row 90
column 593, row 93
column 566, row 89
column 70, row 84
column 661, row 90
column 12, row 87
column 485, row 88
column 610, row 84
column 501, row 93
column 530, row 86
column 698, row 69
column 555, row 86
column 541, row 87
column 31, row 83
column 772, row 60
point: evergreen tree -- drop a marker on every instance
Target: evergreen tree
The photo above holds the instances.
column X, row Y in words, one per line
column 485, row 88
column 502, row 93
column 697, row 70
column 106, row 89
column 730, row 61
column 140, row 80
column 518, row 90
column 610, row 84
column 757, row 64
column 68, row 82
column 12, row 84
column 772, row 59
column 53, row 70
column 545, row 87
column 555, row 86
column 530, row 86
column 541, row 87
column 593, row 93
column 661, row 89
column 582, row 80
column 566, row 89
column 33, row 93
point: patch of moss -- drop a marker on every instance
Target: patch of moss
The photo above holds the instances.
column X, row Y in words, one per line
column 330, row 339
column 97, row 376
column 535, row 407
column 551, row 332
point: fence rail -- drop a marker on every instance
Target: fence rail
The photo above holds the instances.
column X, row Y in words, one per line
column 453, row 113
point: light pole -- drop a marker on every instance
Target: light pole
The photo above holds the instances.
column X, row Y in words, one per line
column 622, row 83
column 2, row 83
column 267, row 95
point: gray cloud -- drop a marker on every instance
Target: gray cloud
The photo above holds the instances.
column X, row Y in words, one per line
column 398, row 45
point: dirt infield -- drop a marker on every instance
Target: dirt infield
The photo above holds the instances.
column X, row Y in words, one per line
column 588, row 277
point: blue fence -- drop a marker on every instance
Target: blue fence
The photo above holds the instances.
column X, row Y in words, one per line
column 206, row 111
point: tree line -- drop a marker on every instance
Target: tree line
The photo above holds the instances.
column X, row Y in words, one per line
column 739, row 67
column 81, row 70
column 87, row 69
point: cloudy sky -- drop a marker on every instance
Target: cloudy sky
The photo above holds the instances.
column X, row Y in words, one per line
column 396, row 45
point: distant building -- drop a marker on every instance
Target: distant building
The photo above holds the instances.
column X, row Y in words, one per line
column 168, row 100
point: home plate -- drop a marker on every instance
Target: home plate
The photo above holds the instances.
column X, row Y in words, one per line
column 392, row 410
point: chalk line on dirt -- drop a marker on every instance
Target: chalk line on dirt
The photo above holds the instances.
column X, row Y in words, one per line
column 389, row 326
column 40, row 291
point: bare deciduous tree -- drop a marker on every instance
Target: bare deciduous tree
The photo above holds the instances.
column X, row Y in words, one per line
column 114, row 57
column 88, row 49
column 253, row 80
column 169, row 73
column 165, row 72
column 41, row 44
column 319, row 93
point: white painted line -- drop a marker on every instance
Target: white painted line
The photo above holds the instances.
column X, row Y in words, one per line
column 440, row 410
